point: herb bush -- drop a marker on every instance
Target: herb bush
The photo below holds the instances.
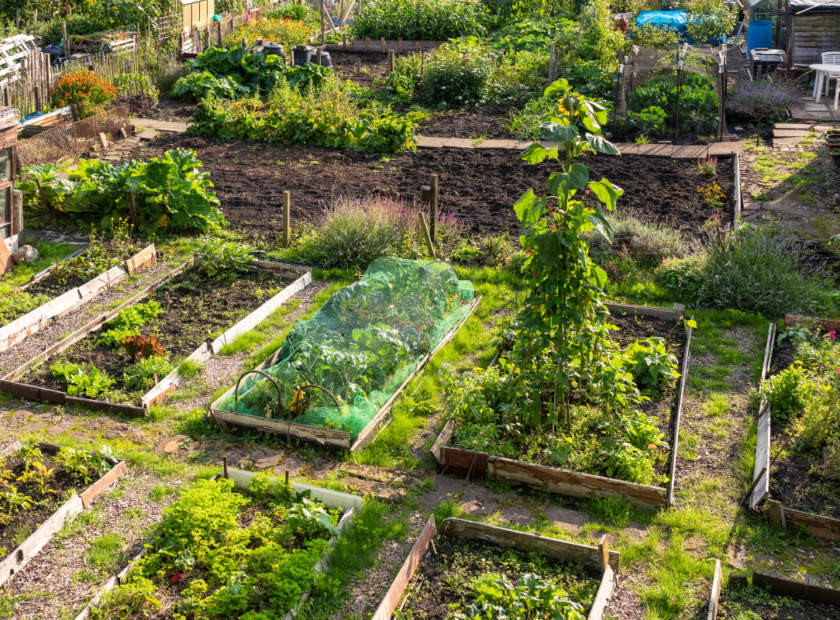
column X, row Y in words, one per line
column 230, row 73
column 698, row 105
column 760, row 269
column 81, row 380
column 636, row 238
column 328, row 116
column 762, row 100
column 430, row 20
column 84, row 89
column 275, row 29
column 561, row 342
column 215, row 567
column 532, row 598
column 170, row 192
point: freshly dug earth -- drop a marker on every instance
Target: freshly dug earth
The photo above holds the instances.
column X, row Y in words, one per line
column 445, row 577
column 477, row 186
column 26, row 522
column 483, row 122
column 195, row 310
column 373, row 65
column 662, row 405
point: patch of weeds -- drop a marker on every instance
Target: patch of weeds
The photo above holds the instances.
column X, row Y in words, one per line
column 445, row 511
column 189, row 369
column 159, row 491
column 20, row 534
column 611, row 509
column 687, row 447
column 716, row 406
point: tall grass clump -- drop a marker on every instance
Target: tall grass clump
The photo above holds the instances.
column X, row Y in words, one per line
column 759, row 269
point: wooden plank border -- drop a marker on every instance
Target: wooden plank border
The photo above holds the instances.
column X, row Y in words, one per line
column 358, row 45
column 761, row 468
column 20, row 557
column 797, row 589
column 34, row 321
column 205, row 351
column 242, row 479
column 323, row 436
column 737, row 198
column 714, row 596
column 521, row 541
column 564, row 481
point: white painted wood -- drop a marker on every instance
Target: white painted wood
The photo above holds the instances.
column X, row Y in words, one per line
column 333, row 499
column 762, row 458
column 199, row 356
column 603, row 595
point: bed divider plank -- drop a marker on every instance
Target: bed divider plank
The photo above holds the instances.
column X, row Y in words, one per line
column 781, row 586
column 761, row 488
column 672, row 476
column 714, row 597
column 34, row 321
column 20, row 557
column 824, row 527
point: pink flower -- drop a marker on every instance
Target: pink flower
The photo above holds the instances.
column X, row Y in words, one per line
column 832, row 335
column 475, row 443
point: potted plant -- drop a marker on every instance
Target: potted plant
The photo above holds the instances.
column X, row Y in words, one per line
column 832, row 137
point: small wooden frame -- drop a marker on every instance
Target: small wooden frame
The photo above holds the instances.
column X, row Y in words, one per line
column 555, row 549
column 242, row 479
column 325, row 436
column 157, row 394
column 37, row 319
column 564, row 481
column 20, row 557
column 788, row 518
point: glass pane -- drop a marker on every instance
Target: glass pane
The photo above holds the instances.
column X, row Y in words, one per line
column 5, row 165
column 5, row 213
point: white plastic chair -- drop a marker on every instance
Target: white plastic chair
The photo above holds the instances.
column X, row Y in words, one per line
column 832, row 58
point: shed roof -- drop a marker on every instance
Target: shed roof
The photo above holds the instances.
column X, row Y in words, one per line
column 814, row 6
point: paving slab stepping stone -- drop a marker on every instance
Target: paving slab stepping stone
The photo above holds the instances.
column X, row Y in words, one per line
column 445, row 491
column 570, row 520
column 34, row 427
column 137, row 436
column 737, row 556
column 62, row 427
column 170, row 445
column 78, row 436
column 480, row 501
column 118, row 431
column 19, row 417
column 517, row 514
column 761, row 558
column 377, row 489
column 97, row 424
column 291, row 464
column 321, row 468
column 265, row 458
column 49, row 416
column 235, row 457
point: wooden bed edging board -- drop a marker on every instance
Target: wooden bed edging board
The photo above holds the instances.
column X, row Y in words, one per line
column 325, row 436
column 205, row 351
column 797, row 589
column 736, row 164
column 714, row 596
column 33, row 321
column 114, row 581
column 762, row 443
column 521, row 541
column 45, row 272
column 792, row 320
column 564, row 481
column 375, row 45
column 824, row 527
column 20, row 557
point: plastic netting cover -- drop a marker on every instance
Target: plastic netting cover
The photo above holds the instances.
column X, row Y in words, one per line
column 359, row 347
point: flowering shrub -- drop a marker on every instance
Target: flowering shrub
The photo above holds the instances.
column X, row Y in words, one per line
column 712, row 194
column 762, row 100
column 286, row 32
column 430, row 20
column 457, row 80
column 86, row 90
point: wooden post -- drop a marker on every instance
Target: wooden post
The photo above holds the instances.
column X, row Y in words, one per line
column 37, row 98
column 425, row 229
column 384, row 49
column 225, row 465
column 17, row 212
column 65, row 41
column 344, row 40
column 244, row 42
column 7, row 96
column 219, row 30
column 358, row 66
column 319, row 55
column 422, row 64
column 433, row 208
column 287, row 219
column 777, row 513
column 400, row 46
column 323, row 33
column 341, row 13
column 133, row 208
column 367, row 43
column 390, row 62
column 604, row 553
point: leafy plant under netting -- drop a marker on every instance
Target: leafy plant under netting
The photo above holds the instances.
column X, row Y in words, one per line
column 652, row 108
column 359, row 347
column 429, row 20
column 169, row 192
column 230, row 73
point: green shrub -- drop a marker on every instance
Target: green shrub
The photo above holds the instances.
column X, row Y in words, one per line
column 682, row 275
column 430, row 20
column 141, row 375
column 650, row 363
column 77, row 24
column 698, row 104
column 759, row 269
column 223, row 260
column 135, row 84
column 457, row 80
column 788, row 392
column 230, row 73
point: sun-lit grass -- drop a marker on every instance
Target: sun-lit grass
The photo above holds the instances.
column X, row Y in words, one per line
column 48, row 253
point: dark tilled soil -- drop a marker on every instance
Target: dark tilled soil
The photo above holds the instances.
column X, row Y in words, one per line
column 195, row 310
column 372, row 64
column 447, row 575
column 486, row 122
column 26, row 522
column 479, row 187
column 734, row 604
column 166, row 109
column 797, row 483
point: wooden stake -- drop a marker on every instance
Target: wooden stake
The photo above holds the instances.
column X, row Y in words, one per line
column 604, row 553
column 287, row 219
column 358, row 66
column 390, row 62
column 287, row 477
column 17, row 212
column 323, row 33
column 344, row 40
column 552, row 70
column 133, row 209
column 367, row 43
column 225, row 465
column 44, row 200
column 400, row 46
column 37, row 98
column 777, row 513
column 384, row 49
column 417, row 46
column 433, row 207
column 65, row 40
column 425, row 229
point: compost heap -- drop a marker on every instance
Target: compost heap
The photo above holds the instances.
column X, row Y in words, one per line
column 359, row 347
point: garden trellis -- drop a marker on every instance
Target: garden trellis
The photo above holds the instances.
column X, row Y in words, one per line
column 665, row 91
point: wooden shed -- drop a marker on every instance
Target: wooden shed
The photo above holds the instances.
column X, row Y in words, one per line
column 813, row 27
column 8, row 218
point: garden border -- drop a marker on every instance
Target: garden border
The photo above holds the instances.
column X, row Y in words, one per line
column 600, row 557
column 11, row 385
column 781, row 586
column 326, row 436
column 400, row 46
column 565, row 481
column 332, row 499
column 824, row 527
column 714, row 595
column 19, row 557
column 761, row 468
column 33, row 321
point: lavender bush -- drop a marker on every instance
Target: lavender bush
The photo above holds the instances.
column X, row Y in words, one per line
column 762, row 100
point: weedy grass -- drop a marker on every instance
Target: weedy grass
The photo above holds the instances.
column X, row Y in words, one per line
column 48, row 253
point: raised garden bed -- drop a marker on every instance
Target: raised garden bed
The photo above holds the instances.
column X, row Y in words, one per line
column 381, row 326
column 68, row 297
column 542, row 476
column 48, row 517
column 810, row 496
column 433, row 579
column 774, row 597
column 172, row 587
column 191, row 309
column 477, row 186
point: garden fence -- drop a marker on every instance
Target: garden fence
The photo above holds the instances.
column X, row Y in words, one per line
column 70, row 140
column 663, row 92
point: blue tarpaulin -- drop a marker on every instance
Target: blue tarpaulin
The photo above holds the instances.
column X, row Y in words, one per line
column 673, row 20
